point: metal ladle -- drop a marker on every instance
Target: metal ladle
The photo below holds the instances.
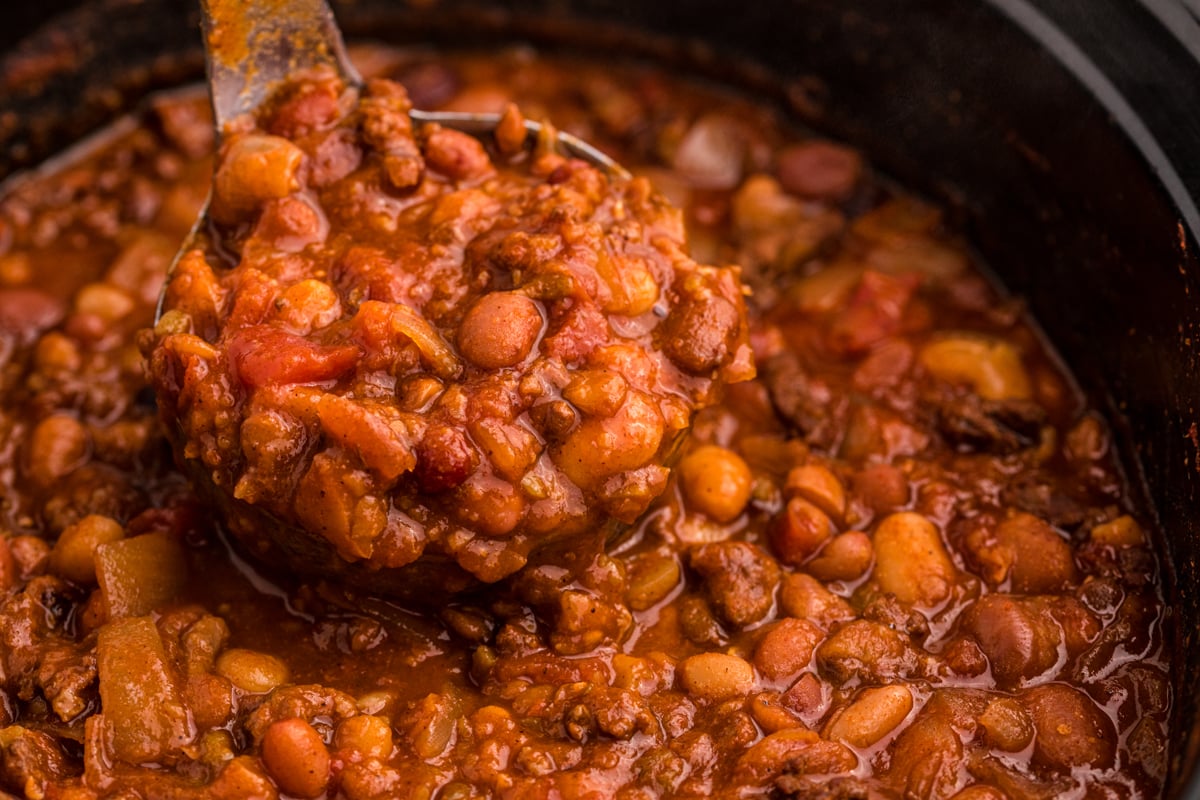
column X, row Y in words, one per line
column 254, row 47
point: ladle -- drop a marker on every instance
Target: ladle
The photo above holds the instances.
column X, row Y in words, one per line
column 253, row 47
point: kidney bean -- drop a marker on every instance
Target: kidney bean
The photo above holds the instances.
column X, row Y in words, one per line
column 786, row 648
column 799, row 531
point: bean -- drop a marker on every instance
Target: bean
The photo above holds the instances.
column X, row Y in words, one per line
column 30, row 554
column 596, row 392
column 768, row 711
column 910, row 560
column 825, row 290
column 500, row 330
column 1040, row 560
column 882, row 487
column 992, row 367
column 980, row 791
column 104, row 301
column 717, row 676
column 455, row 154
column 804, row 597
column 819, row 486
column 845, row 558
column 1006, row 726
column 432, row 722
column 307, row 306
column 510, row 133
column 254, row 169
column 760, row 204
column 651, row 577
column 632, row 288
column 601, row 447
column 1071, row 731
column 57, row 445
column 786, row 648
column 874, row 714
column 716, row 482
column 365, row 734
column 296, row 758
column 819, row 169
column 252, row 671
column 1120, row 532
column 57, row 351
column 74, row 554
column 799, row 531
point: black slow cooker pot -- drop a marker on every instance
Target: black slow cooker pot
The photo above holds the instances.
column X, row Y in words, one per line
column 1066, row 134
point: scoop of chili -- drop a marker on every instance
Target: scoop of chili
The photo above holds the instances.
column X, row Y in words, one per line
column 394, row 342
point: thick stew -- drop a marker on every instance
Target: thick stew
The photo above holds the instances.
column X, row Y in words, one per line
column 398, row 346
column 899, row 563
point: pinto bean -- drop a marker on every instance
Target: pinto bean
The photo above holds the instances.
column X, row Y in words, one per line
column 1041, row 559
column 1006, row 725
column 717, row 676
column 1019, row 641
column 805, row 598
column 500, row 330
column 295, row 757
column 1120, row 532
column 252, row 671
column 601, row 447
column 1071, row 731
column 786, row 648
column 874, row 714
column 845, row 558
column 253, row 169
column 910, row 560
column 818, row 485
column 882, row 487
column 365, row 734
column 57, row 445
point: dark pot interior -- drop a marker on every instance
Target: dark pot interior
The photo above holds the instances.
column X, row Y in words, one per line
column 1064, row 133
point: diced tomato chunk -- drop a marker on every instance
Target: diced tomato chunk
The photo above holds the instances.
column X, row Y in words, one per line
column 264, row 356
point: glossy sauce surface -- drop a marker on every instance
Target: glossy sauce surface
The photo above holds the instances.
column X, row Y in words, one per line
column 898, row 563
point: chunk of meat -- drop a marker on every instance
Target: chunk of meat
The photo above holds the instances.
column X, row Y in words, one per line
column 977, row 424
column 739, row 580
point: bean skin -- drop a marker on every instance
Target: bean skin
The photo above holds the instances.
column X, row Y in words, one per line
column 296, row 758
column 716, row 482
column 500, row 330
column 717, row 676
column 251, row 671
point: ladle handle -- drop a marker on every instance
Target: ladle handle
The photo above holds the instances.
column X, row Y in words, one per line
column 253, row 46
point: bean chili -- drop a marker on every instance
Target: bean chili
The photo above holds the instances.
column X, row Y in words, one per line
column 417, row 347
column 898, row 563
